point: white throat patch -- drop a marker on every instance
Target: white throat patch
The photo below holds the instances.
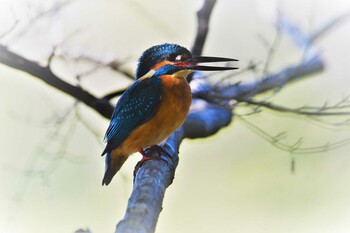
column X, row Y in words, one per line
column 149, row 74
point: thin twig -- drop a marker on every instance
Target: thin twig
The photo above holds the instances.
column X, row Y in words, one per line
column 114, row 64
column 329, row 25
column 53, row 10
column 271, row 51
column 296, row 147
column 300, row 111
column 9, row 30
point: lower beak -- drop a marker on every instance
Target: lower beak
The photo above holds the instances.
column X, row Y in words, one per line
column 192, row 63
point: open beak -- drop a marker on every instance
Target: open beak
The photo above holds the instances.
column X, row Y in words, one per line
column 192, row 63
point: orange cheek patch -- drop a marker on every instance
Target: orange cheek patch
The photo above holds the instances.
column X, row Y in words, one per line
column 161, row 64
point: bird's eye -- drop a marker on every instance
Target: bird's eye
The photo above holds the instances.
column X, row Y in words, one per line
column 178, row 58
column 173, row 57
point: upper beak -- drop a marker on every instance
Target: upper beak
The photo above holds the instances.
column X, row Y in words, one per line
column 192, row 63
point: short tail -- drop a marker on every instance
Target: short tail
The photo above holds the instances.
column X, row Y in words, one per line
column 107, row 178
column 113, row 165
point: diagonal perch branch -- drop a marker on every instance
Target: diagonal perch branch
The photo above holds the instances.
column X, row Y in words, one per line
column 155, row 176
column 151, row 181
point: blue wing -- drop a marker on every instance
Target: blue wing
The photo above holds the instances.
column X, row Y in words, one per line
column 135, row 107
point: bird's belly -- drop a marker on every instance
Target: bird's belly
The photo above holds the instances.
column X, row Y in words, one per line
column 171, row 113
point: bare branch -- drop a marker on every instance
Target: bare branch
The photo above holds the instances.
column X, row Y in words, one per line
column 296, row 147
column 311, row 64
column 45, row 74
column 150, row 183
column 221, row 85
column 51, row 56
column 114, row 64
column 53, row 10
column 320, row 111
column 329, row 25
column 271, row 51
column 270, row 82
column 114, row 94
column 203, row 17
column 206, row 119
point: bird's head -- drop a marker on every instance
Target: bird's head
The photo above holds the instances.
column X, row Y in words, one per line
column 173, row 59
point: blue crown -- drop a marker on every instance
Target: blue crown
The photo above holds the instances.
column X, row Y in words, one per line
column 159, row 53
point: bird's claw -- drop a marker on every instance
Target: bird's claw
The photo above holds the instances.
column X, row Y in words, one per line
column 160, row 151
column 146, row 155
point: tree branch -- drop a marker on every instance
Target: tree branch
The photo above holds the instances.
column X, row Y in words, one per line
column 320, row 111
column 203, row 17
column 150, row 183
column 295, row 148
column 45, row 74
column 152, row 179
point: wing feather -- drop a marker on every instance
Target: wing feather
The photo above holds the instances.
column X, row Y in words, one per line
column 135, row 107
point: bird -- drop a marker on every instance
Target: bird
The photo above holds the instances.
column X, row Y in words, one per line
column 155, row 105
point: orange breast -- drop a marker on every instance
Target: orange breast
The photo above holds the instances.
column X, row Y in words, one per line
column 171, row 113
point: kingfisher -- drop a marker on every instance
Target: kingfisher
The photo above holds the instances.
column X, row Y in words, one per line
column 155, row 105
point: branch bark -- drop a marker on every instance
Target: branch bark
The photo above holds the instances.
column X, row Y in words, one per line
column 150, row 183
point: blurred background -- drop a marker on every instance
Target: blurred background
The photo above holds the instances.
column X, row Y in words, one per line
column 234, row 181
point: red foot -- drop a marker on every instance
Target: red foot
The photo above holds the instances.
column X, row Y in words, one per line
column 149, row 156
